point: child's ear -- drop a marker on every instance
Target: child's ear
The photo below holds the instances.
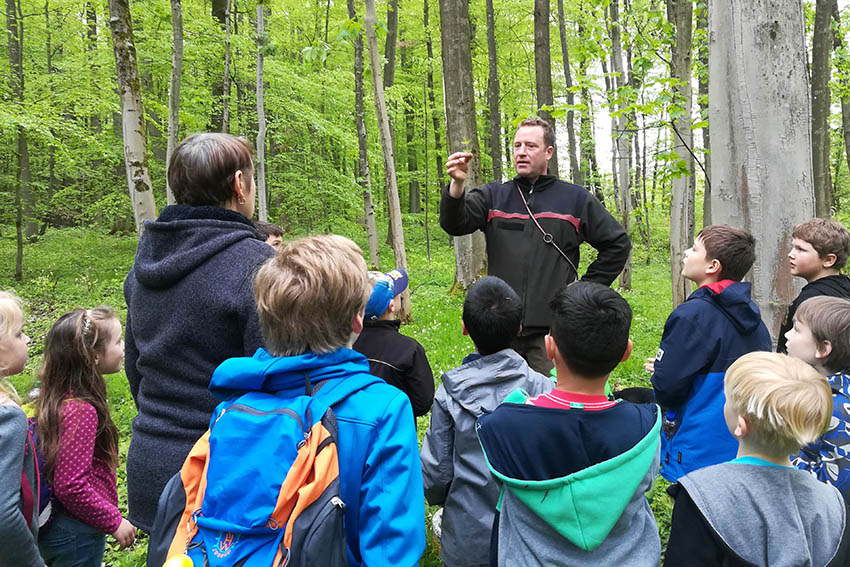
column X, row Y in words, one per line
column 714, row 267
column 823, row 349
column 463, row 328
column 357, row 324
column 551, row 348
column 829, row 260
column 742, row 428
column 628, row 352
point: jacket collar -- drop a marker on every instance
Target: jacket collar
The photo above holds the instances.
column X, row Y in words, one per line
column 542, row 182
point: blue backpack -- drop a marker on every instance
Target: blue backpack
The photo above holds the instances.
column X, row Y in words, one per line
column 45, row 491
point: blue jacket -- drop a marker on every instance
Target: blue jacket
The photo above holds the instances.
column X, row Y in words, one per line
column 380, row 478
column 702, row 338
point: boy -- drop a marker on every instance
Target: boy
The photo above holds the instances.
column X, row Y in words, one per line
column 757, row 509
column 398, row 359
column 453, row 466
column 574, row 466
column 819, row 251
column 271, row 233
column 821, row 337
column 310, row 299
column 702, row 337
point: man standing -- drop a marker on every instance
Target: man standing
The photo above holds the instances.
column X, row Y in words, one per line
column 533, row 225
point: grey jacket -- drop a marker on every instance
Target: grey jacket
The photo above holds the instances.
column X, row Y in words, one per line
column 454, row 471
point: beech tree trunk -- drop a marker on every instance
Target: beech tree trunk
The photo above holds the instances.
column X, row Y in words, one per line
column 576, row 174
column 702, row 26
column 174, row 91
column 390, row 43
column 493, row 94
column 132, row 113
column 759, row 116
column 262, row 191
column 225, row 99
column 414, row 199
column 387, row 146
column 461, row 128
column 821, row 71
column 680, row 14
column 543, row 73
column 438, row 147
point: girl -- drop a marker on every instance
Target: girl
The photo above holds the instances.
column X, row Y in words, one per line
column 78, row 439
column 18, row 515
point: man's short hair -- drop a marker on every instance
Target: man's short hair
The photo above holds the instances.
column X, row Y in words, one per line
column 492, row 314
column 309, row 293
column 203, row 167
column 590, row 325
column 826, row 237
column 785, row 401
column 734, row 248
column 829, row 320
column 267, row 229
column 548, row 133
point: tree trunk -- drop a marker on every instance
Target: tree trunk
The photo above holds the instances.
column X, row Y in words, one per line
column 387, row 146
column 414, row 199
column 493, row 94
column 587, row 140
column 390, row 43
column 225, row 98
column 702, row 54
column 543, row 73
column 262, row 192
column 174, row 91
column 680, row 15
column 435, row 117
column 364, row 178
column 759, row 117
column 576, row 174
column 821, row 71
column 132, row 113
column 461, row 128
column 622, row 138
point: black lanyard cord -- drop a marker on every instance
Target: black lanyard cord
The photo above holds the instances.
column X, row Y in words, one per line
column 547, row 237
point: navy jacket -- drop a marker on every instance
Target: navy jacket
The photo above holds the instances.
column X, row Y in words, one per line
column 702, row 338
column 516, row 251
column 190, row 306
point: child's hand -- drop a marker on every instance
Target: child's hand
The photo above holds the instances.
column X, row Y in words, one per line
column 649, row 365
column 125, row 535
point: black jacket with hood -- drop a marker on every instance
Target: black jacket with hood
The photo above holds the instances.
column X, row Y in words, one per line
column 516, row 251
column 190, row 306
column 831, row 286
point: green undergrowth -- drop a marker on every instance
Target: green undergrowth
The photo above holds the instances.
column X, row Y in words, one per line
column 84, row 268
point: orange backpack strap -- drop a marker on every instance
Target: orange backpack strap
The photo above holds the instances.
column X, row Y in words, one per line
column 194, row 478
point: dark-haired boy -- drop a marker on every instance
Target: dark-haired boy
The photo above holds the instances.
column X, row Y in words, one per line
column 271, row 233
column 702, row 337
column 574, row 465
column 819, row 250
column 453, row 467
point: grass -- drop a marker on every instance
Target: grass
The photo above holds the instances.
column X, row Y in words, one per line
column 84, row 268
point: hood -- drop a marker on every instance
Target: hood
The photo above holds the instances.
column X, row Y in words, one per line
column 584, row 506
column 481, row 384
column 183, row 238
column 266, row 373
column 833, row 286
column 735, row 303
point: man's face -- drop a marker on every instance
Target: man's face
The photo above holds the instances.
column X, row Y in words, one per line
column 531, row 154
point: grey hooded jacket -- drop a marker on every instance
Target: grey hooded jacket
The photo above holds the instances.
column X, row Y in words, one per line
column 454, row 471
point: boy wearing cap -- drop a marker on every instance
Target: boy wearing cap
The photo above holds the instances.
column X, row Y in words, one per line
column 398, row 359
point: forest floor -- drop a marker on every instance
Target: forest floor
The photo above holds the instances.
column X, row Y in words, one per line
column 84, row 268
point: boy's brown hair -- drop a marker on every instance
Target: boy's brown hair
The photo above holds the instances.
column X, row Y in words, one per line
column 734, row 248
column 308, row 294
column 829, row 320
column 826, row 237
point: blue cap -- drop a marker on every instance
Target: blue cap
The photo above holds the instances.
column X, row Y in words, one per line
column 386, row 288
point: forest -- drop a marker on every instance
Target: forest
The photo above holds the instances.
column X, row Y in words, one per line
column 675, row 114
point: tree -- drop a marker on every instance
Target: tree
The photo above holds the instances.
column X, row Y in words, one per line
column 387, row 146
column 461, row 128
column 493, row 94
column 262, row 193
column 702, row 42
column 821, row 71
column 680, row 14
column 225, row 99
column 174, row 91
column 390, row 43
column 543, row 73
column 132, row 113
column 761, row 168
column 576, row 174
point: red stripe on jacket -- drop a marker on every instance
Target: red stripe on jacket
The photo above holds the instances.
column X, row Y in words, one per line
column 503, row 215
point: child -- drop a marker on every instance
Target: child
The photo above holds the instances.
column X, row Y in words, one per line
column 821, row 337
column 18, row 492
column 271, row 233
column 757, row 509
column 702, row 337
column 574, row 466
column 310, row 298
column 819, row 251
column 78, row 439
column 453, row 466
column 398, row 359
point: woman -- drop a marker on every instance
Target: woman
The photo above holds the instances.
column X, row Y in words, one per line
column 190, row 306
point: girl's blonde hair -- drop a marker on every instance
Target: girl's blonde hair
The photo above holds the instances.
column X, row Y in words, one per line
column 787, row 403
column 11, row 313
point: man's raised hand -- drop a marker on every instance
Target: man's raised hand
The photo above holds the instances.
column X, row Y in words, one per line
column 457, row 166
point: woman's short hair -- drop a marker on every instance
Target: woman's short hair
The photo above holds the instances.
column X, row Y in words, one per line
column 308, row 294
column 787, row 403
column 203, row 167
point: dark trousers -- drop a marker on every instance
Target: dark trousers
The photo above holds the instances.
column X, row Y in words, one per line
column 533, row 350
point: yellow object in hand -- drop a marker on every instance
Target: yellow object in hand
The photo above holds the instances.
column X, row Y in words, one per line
column 179, row 561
